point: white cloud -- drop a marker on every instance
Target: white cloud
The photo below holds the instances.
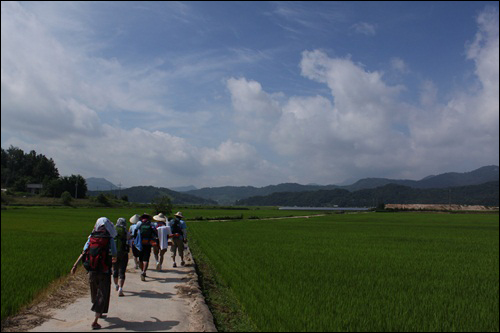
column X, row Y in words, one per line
column 255, row 111
column 466, row 128
column 399, row 65
column 63, row 99
column 365, row 28
column 366, row 128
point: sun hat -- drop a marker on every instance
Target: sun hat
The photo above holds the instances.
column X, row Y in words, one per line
column 160, row 217
column 106, row 223
column 145, row 216
column 179, row 214
column 121, row 222
column 134, row 219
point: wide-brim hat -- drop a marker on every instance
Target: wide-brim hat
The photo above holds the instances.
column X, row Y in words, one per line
column 160, row 217
column 179, row 214
column 134, row 219
column 146, row 216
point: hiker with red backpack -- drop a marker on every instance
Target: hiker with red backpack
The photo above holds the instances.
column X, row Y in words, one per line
column 122, row 247
column 145, row 235
column 98, row 254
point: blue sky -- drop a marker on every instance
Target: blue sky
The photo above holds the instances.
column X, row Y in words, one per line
column 252, row 93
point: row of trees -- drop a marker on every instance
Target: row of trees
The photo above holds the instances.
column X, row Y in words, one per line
column 20, row 168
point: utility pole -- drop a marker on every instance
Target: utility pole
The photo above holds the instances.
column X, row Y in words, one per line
column 449, row 197
column 120, row 190
column 76, row 190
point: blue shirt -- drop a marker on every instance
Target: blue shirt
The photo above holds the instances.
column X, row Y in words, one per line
column 183, row 227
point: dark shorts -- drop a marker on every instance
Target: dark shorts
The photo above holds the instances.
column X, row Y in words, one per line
column 145, row 253
column 136, row 252
column 120, row 266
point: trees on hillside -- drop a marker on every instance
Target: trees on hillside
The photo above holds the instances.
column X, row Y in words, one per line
column 20, row 169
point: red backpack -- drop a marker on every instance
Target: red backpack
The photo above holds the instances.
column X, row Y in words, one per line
column 97, row 258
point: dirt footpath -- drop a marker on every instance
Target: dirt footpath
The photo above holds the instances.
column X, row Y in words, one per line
column 169, row 300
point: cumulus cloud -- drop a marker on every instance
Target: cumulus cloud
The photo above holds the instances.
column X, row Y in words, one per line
column 61, row 99
column 365, row 127
column 255, row 111
column 466, row 127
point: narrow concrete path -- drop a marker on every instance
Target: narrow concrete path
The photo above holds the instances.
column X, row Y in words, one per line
column 169, row 300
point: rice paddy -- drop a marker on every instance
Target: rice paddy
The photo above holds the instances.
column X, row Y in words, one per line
column 360, row 272
column 350, row 272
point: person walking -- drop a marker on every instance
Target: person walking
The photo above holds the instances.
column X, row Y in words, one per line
column 163, row 232
column 179, row 237
column 135, row 252
column 122, row 246
column 145, row 234
column 98, row 254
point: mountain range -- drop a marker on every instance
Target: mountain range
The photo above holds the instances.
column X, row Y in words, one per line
column 228, row 195
column 231, row 194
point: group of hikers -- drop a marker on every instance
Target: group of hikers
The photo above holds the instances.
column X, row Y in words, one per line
column 106, row 252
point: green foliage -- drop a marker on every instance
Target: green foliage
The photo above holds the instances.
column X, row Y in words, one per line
column 162, row 205
column 19, row 167
column 66, row 198
column 360, row 272
column 103, row 199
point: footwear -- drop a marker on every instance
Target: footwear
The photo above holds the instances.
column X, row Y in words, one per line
column 175, row 265
column 95, row 326
column 158, row 266
column 182, row 263
column 120, row 293
column 117, row 287
column 143, row 277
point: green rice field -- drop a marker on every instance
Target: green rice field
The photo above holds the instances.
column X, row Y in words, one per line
column 339, row 272
column 360, row 272
column 40, row 244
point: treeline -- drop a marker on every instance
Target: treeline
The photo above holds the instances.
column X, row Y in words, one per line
column 20, row 169
column 486, row 194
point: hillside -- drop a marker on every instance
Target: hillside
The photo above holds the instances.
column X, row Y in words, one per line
column 99, row 184
column 145, row 194
column 486, row 194
column 231, row 194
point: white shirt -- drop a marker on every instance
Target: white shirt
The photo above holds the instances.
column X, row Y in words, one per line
column 163, row 233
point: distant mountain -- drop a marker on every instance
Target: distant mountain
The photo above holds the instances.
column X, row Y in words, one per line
column 184, row 188
column 478, row 176
column 227, row 195
column 145, row 194
column 99, row 184
column 486, row 194
column 231, row 194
